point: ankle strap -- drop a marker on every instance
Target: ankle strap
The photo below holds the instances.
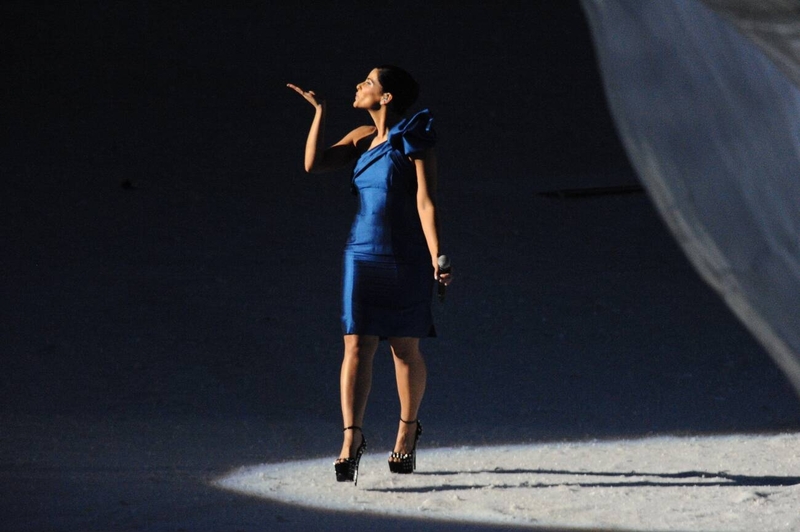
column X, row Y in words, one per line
column 351, row 427
column 408, row 422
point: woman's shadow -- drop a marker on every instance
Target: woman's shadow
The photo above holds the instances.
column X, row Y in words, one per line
column 602, row 479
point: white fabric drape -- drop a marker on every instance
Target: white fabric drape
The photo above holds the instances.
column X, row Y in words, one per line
column 705, row 97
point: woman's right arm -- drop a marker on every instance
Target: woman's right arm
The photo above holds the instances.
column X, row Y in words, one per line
column 317, row 158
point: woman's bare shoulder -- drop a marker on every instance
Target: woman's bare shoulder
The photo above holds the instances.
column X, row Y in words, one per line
column 357, row 136
column 361, row 132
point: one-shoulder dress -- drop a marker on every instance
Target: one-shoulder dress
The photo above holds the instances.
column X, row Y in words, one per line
column 387, row 280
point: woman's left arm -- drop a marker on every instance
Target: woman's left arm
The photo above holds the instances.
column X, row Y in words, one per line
column 426, row 207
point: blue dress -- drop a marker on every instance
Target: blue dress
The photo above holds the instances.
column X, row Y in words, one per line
column 388, row 280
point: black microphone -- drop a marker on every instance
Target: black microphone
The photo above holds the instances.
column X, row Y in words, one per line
column 444, row 267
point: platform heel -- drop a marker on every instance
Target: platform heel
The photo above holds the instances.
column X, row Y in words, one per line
column 405, row 463
column 347, row 468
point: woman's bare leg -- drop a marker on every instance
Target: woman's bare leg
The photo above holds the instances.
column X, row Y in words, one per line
column 411, row 375
column 355, row 383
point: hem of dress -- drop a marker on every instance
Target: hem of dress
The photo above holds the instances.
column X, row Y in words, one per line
column 381, row 336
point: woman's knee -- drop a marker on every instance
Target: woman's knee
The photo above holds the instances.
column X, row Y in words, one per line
column 360, row 346
column 406, row 349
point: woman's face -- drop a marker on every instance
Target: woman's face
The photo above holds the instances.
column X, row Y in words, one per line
column 369, row 92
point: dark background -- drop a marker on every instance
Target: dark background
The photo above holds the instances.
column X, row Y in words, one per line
column 170, row 274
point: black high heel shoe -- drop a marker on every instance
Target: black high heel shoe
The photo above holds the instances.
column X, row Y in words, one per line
column 347, row 468
column 405, row 463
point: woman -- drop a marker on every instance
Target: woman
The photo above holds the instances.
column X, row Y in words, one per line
column 390, row 260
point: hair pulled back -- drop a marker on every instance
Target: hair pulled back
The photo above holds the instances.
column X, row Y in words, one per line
column 402, row 86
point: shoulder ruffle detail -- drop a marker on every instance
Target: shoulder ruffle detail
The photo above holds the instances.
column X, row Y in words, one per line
column 414, row 135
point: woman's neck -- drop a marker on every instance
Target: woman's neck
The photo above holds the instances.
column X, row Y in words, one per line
column 384, row 121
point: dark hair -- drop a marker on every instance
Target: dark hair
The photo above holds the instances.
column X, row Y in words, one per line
column 401, row 85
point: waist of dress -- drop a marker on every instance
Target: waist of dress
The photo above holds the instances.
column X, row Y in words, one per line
column 386, row 253
column 364, row 256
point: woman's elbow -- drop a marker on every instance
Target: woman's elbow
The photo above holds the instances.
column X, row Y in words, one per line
column 317, row 166
column 313, row 167
column 426, row 206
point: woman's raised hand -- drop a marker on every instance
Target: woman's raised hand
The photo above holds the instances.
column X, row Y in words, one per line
column 310, row 96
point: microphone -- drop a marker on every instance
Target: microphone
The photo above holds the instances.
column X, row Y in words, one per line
column 444, row 267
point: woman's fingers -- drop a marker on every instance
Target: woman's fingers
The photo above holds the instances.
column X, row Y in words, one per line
column 310, row 96
column 300, row 91
column 444, row 278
